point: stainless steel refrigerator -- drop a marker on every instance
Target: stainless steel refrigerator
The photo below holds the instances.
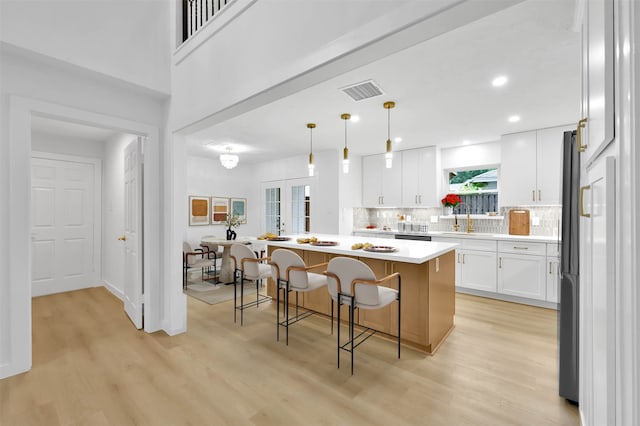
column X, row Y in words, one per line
column 569, row 278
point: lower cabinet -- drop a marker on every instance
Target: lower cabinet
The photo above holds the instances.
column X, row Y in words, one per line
column 522, row 269
column 553, row 278
column 476, row 269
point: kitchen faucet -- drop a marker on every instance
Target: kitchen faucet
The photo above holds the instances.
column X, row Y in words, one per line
column 469, row 220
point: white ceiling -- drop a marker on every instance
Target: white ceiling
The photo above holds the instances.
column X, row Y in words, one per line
column 442, row 89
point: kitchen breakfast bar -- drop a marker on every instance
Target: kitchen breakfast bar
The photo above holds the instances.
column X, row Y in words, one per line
column 428, row 283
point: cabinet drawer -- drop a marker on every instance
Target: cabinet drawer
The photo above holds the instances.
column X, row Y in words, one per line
column 471, row 244
column 553, row 249
column 520, row 247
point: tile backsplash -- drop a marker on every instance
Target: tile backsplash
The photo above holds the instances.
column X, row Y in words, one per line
column 545, row 220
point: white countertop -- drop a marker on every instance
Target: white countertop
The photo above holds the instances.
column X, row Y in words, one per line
column 408, row 251
column 478, row 235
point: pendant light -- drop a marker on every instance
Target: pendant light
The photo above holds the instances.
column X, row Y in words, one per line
column 311, row 126
column 345, row 156
column 388, row 157
column 229, row 160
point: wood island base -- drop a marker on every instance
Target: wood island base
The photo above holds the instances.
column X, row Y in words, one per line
column 428, row 298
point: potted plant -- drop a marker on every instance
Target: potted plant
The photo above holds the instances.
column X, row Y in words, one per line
column 449, row 202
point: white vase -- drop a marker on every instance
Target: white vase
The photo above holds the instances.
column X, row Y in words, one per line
column 447, row 210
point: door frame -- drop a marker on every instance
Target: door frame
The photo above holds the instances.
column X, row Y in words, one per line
column 97, row 203
column 21, row 110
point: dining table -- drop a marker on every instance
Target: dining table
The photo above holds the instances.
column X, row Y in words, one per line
column 226, row 269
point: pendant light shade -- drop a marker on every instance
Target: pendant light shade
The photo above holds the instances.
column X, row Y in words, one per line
column 345, row 155
column 388, row 157
column 311, row 166
column 229, row 160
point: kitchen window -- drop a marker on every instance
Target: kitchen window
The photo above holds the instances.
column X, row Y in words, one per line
column 477, row 189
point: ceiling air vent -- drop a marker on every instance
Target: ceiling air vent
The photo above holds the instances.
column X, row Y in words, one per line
column 363, row 90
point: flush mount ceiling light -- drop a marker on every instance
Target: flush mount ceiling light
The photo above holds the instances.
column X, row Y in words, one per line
column 388, row 157
column 514, row 119
column 229, row 160
column 499, row 81
column 345, row 156
column 311, row 126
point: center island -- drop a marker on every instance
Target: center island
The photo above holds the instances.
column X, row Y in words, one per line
column 428, row 284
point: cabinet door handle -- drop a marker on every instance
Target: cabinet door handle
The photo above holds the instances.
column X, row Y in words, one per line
column 533, row 195
column 550, row 264
column 581, row 124
column 520, row 248
column 539, row 195
column 463, row 258
column 581, row 201
column 459, row 258
column 500, row 262
column 420, row 198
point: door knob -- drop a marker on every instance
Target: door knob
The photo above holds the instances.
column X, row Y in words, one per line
column 123, row 238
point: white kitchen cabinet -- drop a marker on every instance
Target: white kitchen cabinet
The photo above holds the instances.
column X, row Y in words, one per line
column 553, row 278
column 381, row 186
column 522, row 269
column 598, row 291
column 476, row 264
column 597, row 78
column 517, row 184
column 420, row 177
column 531, row 167
column 477, row 269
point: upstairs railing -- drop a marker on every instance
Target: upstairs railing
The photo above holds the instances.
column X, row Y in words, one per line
column 196, row 13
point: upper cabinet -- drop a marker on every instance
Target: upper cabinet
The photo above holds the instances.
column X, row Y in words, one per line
column 597, row 78
column 420, row 177
column 531, row 167
column 381, row 186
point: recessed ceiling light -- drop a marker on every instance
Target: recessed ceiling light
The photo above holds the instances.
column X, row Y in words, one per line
column 397, row 140
column 514, row 119
column 355, row 118
column 499, row 81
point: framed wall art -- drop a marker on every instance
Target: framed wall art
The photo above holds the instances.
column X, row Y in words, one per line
column 219, row 210
column 239, row 208
column 199, row 210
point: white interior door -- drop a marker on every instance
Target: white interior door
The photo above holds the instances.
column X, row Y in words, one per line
column 64, row 227
column 132, row 238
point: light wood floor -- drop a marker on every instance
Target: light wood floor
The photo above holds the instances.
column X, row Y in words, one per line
column 90, row 367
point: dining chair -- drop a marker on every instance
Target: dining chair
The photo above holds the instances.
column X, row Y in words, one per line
column 212, row 251
column 351, row 282
column 194, row 258
column 247, row 266
column 290, row 273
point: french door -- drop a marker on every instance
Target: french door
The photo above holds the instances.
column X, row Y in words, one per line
column 287, row 206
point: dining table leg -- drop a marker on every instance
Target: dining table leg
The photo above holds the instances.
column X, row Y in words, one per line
column 226, row 272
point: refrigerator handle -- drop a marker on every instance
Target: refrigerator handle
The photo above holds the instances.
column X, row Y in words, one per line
column 581, row 202
column 581, row 124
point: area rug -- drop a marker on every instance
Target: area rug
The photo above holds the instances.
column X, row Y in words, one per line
column 213, row 294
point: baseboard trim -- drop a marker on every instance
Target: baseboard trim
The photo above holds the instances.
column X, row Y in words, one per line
column 113, row 290
column 508, row 298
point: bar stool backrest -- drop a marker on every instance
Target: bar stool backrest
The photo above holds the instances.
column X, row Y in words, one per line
column 284, row 259
column 242, row 251
column 347, row 270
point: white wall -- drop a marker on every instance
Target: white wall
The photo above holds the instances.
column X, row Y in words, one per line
column 128, row 40
column 113, row 212
column 207, row 177
column 66, row 145
column 461, row 157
